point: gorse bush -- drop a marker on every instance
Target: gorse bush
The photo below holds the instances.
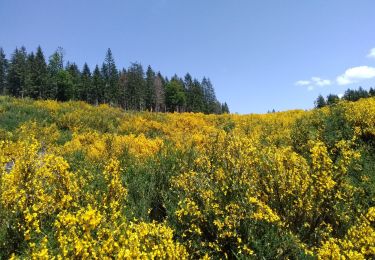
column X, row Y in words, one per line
column 78, row 181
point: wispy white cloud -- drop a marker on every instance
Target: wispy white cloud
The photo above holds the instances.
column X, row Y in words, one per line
column 313, row 83
column 321, row 82
column 356, row 74
column 350, row 76
column 372, row 53
column 303, row 83
column 340, row 95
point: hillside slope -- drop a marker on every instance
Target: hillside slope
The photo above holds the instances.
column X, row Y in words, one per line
column 95, row 182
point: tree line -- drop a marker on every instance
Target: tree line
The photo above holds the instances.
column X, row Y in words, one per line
column 30, row 75
column 349, row 95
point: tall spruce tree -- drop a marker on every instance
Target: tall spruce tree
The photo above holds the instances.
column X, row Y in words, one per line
column 123, row 78
column 86, row 85
column 217, row 108
column 320, row 102
column 29, row 89
column 110, row 76
column 332, row 99
column 175, row 97
column 225, row 108
column 41, row 73
column 149, row 89
column 197, row 101
column 17, row 72
column 349, row 95
column 188, row 86
column 135, row 87
column 96, row 92
column 55, row 66
column 76, row 88
column 3, row 71
column 65, row 86
column 362, row 93
column 159, row 90
column 209, row 96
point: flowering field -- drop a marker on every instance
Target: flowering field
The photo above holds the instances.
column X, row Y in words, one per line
column 78, row 181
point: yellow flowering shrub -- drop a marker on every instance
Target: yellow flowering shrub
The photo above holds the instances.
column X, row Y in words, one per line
column 98, row 146
column 362, row 115
column 358, row 243
column 34, row 187
column 89, row 234
column 84, row 182
column 47, row 136
column 34, row 181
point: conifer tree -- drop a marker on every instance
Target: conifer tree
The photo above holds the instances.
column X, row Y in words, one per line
column 17, row 72
column 29, row 89
column 65, row 85
column 76, row 87
column 217, row 109
column 188, row 86
column 41, row 74
column 225, row 108
column 150, row 90
column 3, row 71
column 123, row 78
column 197, row 100
column 110, row 76
column 362, row 93
column 54, row 68
column 209, row 96
column 320, row 102
column 332, row 99
column 96, row 92
column 86, row 85
column 134, row 93
column 175, row 97
column 159, row 90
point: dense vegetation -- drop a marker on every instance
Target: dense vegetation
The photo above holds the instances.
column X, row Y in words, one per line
column 29, row 75
column 81, row 181
column 349, row 95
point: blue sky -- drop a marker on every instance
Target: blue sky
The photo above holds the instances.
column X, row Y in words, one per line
column 260, row 55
